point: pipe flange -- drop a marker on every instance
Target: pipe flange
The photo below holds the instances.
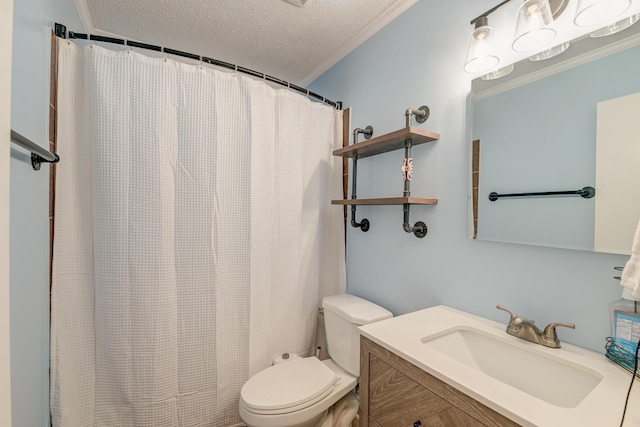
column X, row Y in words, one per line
column 368, row 132
column 364, row 225
column 36, row 161
column 587, row 192
column 421, row 118
column 420, row 229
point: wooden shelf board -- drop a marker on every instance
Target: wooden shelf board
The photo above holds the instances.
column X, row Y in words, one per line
column 389, row 142
column 387, row 201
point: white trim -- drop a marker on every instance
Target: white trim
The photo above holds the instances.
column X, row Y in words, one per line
column 559, row 67
column 392, row 12
column 6, row 33
column 85, row 16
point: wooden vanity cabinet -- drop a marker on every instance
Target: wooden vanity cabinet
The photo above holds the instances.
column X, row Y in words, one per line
column 395, row 393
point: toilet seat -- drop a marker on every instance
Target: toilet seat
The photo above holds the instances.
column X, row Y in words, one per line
column 288, row 387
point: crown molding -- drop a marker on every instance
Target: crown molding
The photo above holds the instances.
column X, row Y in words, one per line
column 395, row 10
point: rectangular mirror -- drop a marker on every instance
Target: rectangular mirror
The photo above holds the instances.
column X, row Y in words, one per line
column 561, row 125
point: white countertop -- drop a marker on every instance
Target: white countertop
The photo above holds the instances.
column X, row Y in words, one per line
column 602, row 407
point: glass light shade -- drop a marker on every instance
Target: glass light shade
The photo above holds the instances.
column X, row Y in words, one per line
column 479, row 59
column 616, row 27
column 501, row 72
column 599, row 12
column 550, row 53
column 532, row 29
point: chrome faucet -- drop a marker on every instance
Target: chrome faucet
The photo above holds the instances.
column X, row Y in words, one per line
column 527, row 330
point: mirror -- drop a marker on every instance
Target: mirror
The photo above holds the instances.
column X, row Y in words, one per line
column 563, row 124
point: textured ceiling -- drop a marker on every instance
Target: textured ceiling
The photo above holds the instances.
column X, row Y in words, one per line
column 276, row 37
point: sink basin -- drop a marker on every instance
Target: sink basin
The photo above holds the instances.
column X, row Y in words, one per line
column 532, row 385
column 552, row 379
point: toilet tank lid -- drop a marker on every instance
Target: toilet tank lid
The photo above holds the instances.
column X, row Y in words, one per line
column 355, row 309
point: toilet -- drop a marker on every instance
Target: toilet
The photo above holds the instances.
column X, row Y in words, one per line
column 299, row 392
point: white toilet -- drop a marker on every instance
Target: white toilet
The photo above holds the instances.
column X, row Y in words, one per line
column 299, row 392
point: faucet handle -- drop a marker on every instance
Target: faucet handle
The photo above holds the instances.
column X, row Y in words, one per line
column 550, row 330
column 550, row 335
column 513, row 315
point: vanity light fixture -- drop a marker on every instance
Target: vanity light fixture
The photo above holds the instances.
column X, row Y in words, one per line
column 535, row 31
column 616, row 27
column 532, row 34
column 598, row 12
column 532, row 28
column 500, row 72
column 479, row 59
column 550, row 53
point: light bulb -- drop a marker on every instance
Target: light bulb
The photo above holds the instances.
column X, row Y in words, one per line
column 532, row 29
column 479, row 57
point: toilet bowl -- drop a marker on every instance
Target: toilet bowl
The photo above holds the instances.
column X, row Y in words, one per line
column 294, row 394
column 299, row 392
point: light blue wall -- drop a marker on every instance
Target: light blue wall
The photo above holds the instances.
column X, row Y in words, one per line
column 417, row 59
column 33, row 20
column 542, row 137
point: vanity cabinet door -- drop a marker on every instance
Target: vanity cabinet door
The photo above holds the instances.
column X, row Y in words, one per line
column 395, row 400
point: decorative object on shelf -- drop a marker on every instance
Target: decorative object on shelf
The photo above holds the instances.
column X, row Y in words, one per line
column 407, row 169
column 403, row 138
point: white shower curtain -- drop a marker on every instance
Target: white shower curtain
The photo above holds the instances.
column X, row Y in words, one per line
column 194, row 236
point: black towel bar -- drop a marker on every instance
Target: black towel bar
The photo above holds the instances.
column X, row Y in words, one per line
column 585, row 193
column 38, row 154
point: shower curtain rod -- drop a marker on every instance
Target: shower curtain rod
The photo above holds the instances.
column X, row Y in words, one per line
column 61, row 31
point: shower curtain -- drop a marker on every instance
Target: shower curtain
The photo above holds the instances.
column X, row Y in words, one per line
column 194, row 236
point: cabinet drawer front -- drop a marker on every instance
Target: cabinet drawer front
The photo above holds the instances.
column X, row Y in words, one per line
column 387, row 385
column 395, row 400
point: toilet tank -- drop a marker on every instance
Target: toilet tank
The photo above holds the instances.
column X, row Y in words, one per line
column 342, row 316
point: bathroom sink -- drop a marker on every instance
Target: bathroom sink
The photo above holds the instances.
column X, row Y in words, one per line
column 533, row 385
column 521, row 365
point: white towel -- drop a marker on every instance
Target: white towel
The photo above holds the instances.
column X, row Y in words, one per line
column 631, row 273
